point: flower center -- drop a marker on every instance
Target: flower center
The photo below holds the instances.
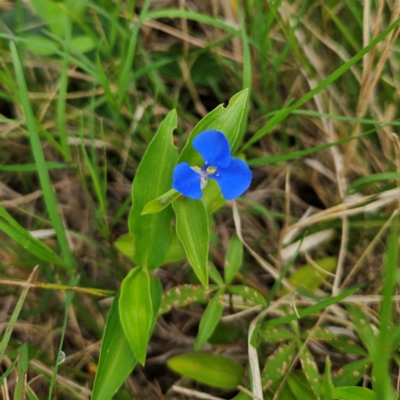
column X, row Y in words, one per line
column 204, row 173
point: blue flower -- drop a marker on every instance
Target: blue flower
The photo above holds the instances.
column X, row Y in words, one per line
column 233, row 175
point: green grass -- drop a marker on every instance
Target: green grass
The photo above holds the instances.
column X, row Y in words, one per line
column 84, row 87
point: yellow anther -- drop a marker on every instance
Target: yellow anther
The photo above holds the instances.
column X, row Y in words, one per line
column 211, row 170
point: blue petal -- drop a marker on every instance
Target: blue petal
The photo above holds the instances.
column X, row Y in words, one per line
column 214, row 148
column 187, row 181
column 234, row 180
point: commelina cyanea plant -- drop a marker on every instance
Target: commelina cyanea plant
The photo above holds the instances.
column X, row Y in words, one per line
column 233, row 175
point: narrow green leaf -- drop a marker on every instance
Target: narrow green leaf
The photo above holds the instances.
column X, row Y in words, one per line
column 280, row 116
column 161, row 202
column 248, row 293
column 382, row 383
column 22, row 369
column 26, row 240
column 347, row 345
column 116, row 358
column 233, row 259
column 210, row 319
column 136, row 311
column 48, row 193
column 300, row 386
column 156, row 293
column 277, row 364
column 310, row 370
column 153, row 233
column 214, row 274
column 328, row 384
column 363, row 327
column 183, row 295
column 310, row 310
column 192, row 230
column 211, row 369
column 354, row 393
column 276, row 335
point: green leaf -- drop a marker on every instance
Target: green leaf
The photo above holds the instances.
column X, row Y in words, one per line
column 156, row 293
column 82, row 44
column 192, row 230
column 354, row 393
column 40, row 45
column 22, row 369
column 161, row 202
column 181, row 296
column 277, row 364
column 214, row 274
column 136, row 311
column 210, row 319
column 321, row 305
column 233, row 259
column 125, row 244
column 248, row 293
column 308, row 277
column 211, row 369
column 227, row 120
column 347, row 345
column 328, row 384
column 153, row 233
column 116, row 358
column 350, row 374
column 300, row 386
column 363, row 327
column 21, row 236
column 310, row 370
column 276, row 335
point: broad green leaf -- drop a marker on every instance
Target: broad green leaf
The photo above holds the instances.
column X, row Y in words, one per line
column 350, row 374
column 308, row 277
column 181, row 296
column 161, row 202
column 82, row 43
column 125, row 244
column 211, row 369
column 277, row 364
column 353, row 393
column 310, row 370
column 210, row 319
column 233, row 259
column 192, row 230
column 116, row 358
column 248, row 293
column 136, row 311
column 153, row 233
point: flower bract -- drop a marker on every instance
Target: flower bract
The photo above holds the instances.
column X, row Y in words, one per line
column 233, row 175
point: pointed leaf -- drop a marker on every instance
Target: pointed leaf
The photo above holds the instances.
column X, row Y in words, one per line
column 136, row 311
column 116, row 357
column 153, row 233
column 181, row 296
column 233, row 258
column 211, row 369
column 277, row 364
column 350, row 374
column 310, row 370
column 248, row 293
column 161, row 202
column 353, row 393
column 192, row 230
column 156, row 293
column 210, row 318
